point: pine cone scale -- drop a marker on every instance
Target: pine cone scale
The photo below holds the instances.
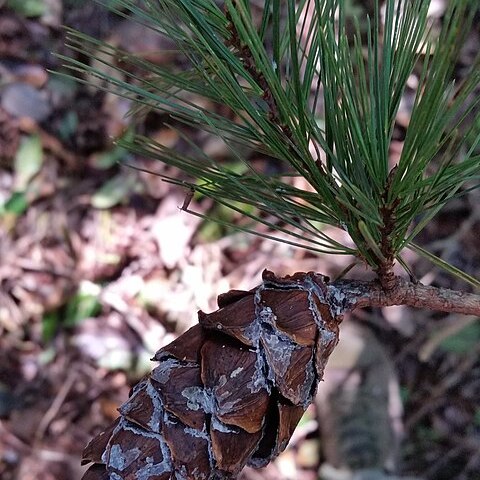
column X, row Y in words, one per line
column 133, row 453
column 144, row 407
column 292, row 316
column 227, row 371
column 94, row 450
column 234, row 319
column 289, row 416
column 232, row 449
column 189, row 449
column 189, row 409
column 185, row 348
column 96, row 472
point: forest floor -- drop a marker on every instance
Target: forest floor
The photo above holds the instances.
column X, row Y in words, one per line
column 99, row 268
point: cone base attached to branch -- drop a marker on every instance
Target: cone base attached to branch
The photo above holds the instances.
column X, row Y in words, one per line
column 230, row 391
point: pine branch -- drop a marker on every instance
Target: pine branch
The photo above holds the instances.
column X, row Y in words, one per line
column 372, row 294
column 266, row 76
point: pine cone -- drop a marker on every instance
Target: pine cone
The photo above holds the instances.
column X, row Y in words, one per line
column 227, row 393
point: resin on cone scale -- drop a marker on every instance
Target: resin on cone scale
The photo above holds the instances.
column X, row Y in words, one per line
column 227, row 393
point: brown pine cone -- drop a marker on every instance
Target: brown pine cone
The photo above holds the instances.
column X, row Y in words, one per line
column 227, row 393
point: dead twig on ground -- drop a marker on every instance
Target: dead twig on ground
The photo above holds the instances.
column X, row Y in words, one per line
column 56, row 405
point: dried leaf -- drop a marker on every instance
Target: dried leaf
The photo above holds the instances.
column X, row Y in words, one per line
column 28, row 161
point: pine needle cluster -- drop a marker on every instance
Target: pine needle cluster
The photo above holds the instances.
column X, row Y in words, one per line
column 319, row 99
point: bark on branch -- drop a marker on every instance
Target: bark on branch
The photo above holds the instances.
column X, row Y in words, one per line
column 358, row 294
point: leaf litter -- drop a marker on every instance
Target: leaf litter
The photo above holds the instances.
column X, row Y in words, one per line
column 99, row 268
